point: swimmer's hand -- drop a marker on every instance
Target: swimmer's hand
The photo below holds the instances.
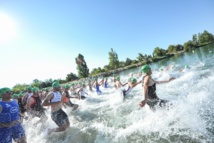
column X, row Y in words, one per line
column 142, row 103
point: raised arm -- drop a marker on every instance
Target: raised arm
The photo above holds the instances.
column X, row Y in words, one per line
column 165, row 81
column 123, row 84
column 133, row 85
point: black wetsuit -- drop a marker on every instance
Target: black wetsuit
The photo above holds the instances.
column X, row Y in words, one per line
column 69, row 102
column 153, row 100
column 37, row 107
column 21, row 105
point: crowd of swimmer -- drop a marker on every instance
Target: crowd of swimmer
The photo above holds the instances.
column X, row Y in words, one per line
column 14, row 108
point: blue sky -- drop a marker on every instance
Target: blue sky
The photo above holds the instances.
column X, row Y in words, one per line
column 42, row 38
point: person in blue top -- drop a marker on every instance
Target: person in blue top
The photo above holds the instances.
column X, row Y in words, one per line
column 105, row 84
column 10, row 126
column 97, row 87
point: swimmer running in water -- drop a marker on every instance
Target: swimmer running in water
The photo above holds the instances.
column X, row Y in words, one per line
column 149, row 87
column 34, row 107
column 118, row 83
column 133, row 82
column 54, row 99
column 97, row 87
column 66, row 99
column 82, row 92
column 27, row 96
column 105, row 84
column 10, row 126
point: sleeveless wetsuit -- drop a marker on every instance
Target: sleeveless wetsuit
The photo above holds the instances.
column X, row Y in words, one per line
column 153, row 99
column 125, row 92
column 21, row 106
column 36, row 106
column 105, row 85
column 59, row 117
column 66, row 99
column 98, row 89
column 10, row 114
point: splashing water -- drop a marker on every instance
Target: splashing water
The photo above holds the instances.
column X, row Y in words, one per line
column 108, row 118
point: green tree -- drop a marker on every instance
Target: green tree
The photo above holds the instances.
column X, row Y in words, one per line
column 205, row 37
column 121, row 64
column 158, row 52
column 171, row 49
column 36, row 83
column 96, row 71
column 47, row 83
column 179, row 47
column 19, row 87
column 188, row 46
column 113, row 59
column 195, row 39
column 106, row 67
column 82, row 68
column 134, row 62
column 140, row 57
column 61, row 81
column 128, row 62
column 71, row 76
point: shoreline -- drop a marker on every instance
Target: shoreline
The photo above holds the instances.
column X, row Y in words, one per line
column 115, row 71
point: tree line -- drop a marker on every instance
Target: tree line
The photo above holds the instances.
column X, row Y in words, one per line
column 198, row 40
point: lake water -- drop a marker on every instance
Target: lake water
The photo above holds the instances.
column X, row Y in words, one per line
column 108, row 118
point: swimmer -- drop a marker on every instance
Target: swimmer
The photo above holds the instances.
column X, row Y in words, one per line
column 82, row 92
column 66, row 99
column 118, row 83
column 149, row 86
column 10, row 126
column 54, row 99
column 97, row 87
column 34, row 107
column 133, row 82
column 27, row 96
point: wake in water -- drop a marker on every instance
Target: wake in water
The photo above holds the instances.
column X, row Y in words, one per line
column 110, row 117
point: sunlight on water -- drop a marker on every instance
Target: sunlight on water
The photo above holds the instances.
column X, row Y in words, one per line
column 109, row 118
